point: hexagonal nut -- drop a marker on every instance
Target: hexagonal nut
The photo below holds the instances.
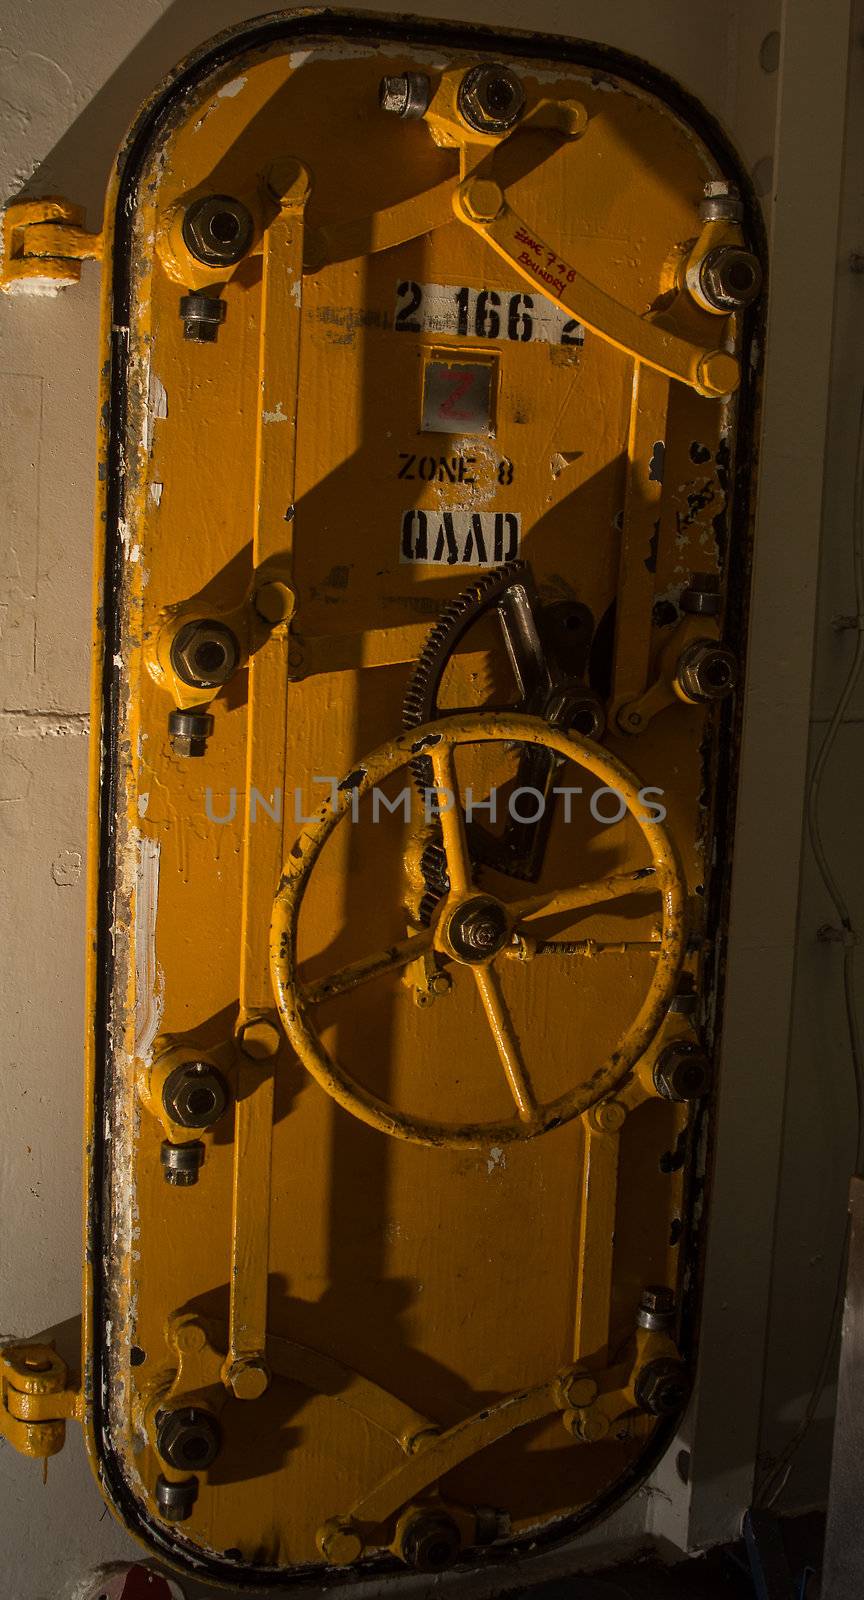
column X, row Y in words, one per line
column 663, row 1387
column 706, row 672
column 249, row 1379
column 259, row 1038
column 576, row 1389
column 188, row 1438
column 608, row 1117
column 682, row 1071
column 428, row 1541
column 587, row 1424
column 407, row 95
column 491, row 99
column 217, row 230
column 339, row 1541
column 195, row 1094
column 205, row 654
column 730, row 277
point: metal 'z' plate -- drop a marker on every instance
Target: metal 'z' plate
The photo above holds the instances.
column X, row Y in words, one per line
column 313, row 1346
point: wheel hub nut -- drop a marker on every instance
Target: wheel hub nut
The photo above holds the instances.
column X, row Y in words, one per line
column 491, row 99
column 706, row 671
column 195, row 1095
column 730, row 277
column 217, row 230
column 407, row 95
column 205, row 654
column 188, row 1438
column 478, row 929
column 682, row 1072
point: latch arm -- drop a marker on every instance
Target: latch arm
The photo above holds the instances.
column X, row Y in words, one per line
column 483, row 206
column 44, row 244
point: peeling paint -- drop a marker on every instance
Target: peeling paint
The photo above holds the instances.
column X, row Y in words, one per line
column 148, row 979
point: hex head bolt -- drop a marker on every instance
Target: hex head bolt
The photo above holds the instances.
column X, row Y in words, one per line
column 188, row 1438
column 656, row 1310
column 189, row 732
column 491, row 99
column 682, row 1071
column 203, row 315
column 430, row 1541
column 181, row 1163
column 176, row 1500
column 407, row 95
column 205, row 654
column 217, row 230
column 663, row 1387
column 706, row 671
column 195, row 1095
column 730, row 277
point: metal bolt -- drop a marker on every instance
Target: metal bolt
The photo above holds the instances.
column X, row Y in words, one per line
column 575, row 1389
column 579, row 712
column 259, row 1038
column 202, row 316
column 702, row 595
column 656, row 1308
column 429, row 1541
column 188, row 1438
column 275, row 602
column 706, row 671
column 730, row 277
column 339, row 1541
column 175, row 1500
column 478, row 929
column 684, row 1004
column 682, row 1071
column 217, row 230
column 491, row 1523
column 491, row 99
column 587, row 1425
column 189, row 732
column 249, row 1379
column 609, row 1116
column 440, row 983
column 205, row 654
column 662, row 1387
column 722, row 202
column 181, row 1163
column 195, row 1094
column 407, row 95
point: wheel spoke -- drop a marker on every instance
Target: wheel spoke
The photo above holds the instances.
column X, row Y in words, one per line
column 506, row 1042
column 360, row 972
column 554, row 902
column 452, row 819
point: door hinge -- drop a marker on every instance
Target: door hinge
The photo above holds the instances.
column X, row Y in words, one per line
column 36, row 1399
column 44, row 244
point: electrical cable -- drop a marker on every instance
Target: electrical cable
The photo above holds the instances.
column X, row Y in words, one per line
column 775, row 1482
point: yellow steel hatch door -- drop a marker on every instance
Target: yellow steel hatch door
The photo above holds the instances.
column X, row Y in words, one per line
column 423, row 536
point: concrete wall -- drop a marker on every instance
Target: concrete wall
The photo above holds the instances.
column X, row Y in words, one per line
column 71, row 77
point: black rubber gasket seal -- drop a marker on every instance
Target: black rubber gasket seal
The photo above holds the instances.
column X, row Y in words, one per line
column 369, row 29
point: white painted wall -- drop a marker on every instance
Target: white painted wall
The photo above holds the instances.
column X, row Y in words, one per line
column 72, row 73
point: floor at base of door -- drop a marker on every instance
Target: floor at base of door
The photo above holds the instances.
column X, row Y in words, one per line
column 724, row 1574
